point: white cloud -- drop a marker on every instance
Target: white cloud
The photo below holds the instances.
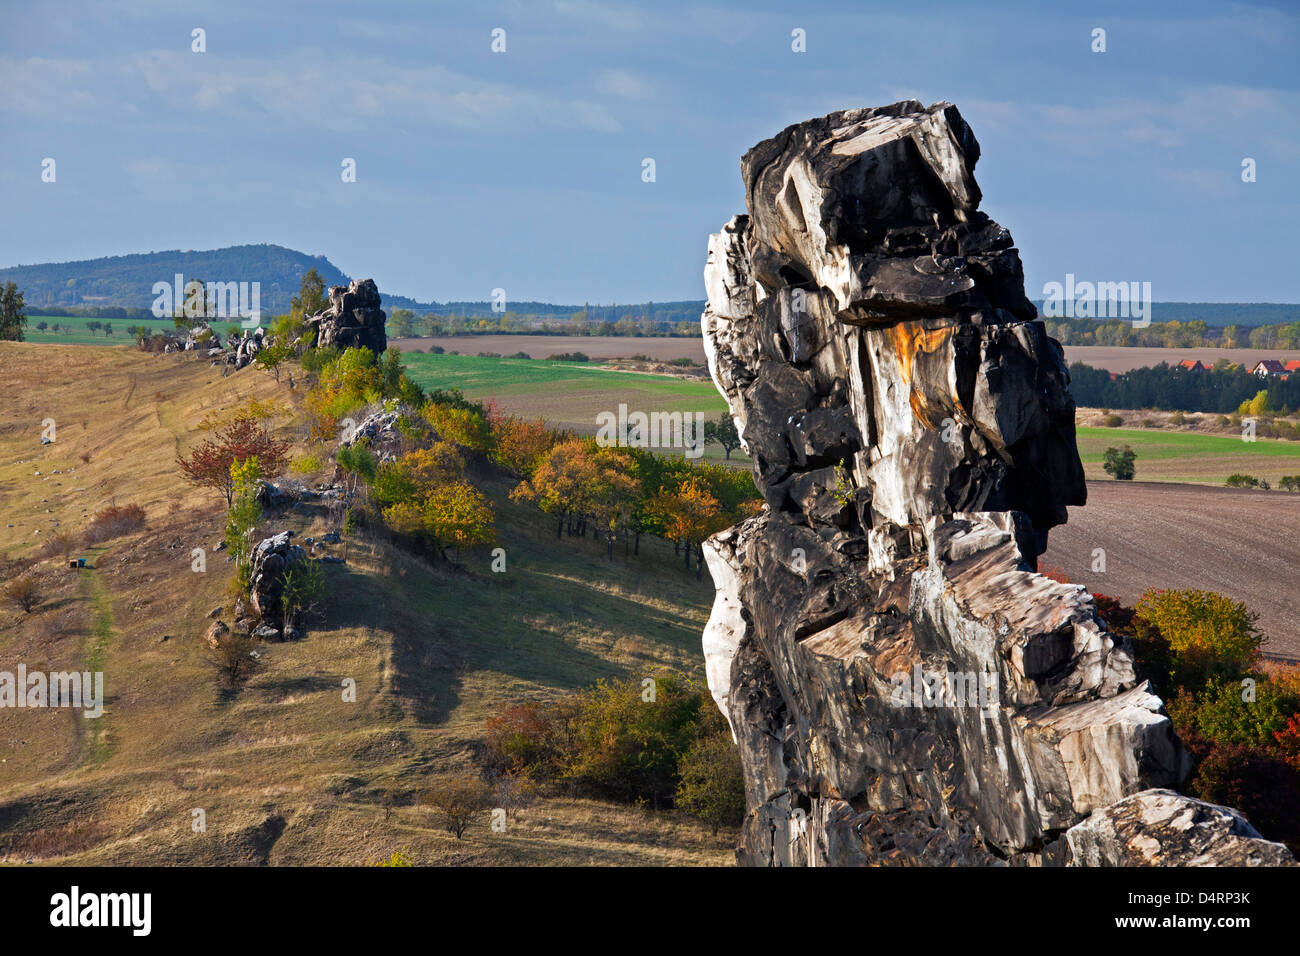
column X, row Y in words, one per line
column 1248, row 116
column 624, row 84
column 612, row 15
column 294, row 93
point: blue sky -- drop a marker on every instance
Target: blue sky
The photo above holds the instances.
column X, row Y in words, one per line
column 522, row 170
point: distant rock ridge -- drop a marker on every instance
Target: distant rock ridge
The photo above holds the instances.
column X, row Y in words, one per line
column 903, row 687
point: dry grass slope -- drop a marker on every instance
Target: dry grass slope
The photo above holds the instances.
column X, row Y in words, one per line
column 286, row 772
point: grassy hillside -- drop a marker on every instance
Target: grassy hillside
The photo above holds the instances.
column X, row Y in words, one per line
column 287, row 771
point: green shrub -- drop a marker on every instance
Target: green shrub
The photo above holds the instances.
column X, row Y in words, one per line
column 306, row 464
column 626, row 747
column 711, row 786
column 1224, row 712
column 1209, row 635
column 662, row 743
column 1119, row 463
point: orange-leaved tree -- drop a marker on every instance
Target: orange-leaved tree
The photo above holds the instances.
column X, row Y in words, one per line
column 521, row 445
column 561, row 483
column 688, row 515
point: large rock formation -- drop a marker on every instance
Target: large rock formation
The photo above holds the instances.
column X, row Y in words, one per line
column 904, row 688
column 353, row 318
column 269, row 561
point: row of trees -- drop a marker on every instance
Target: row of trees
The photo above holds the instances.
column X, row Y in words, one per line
column 614, row 493
column 404, row 323
column 1173, row 334
column 627, row 492
column 1223, row 389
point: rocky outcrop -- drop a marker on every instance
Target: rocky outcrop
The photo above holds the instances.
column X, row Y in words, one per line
column 903, row 686
column 1163, row 828
column 201, row 337
column 379, row 429
column 270, row 560
column 353, row 319
column 245, row 346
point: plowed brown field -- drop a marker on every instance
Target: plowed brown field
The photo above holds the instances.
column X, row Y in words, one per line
column 1239, row 542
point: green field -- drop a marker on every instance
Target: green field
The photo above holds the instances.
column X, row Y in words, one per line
column 1186, row 456
column 80, row 335
column 572, row 395
column 569, row 394
column 565, row 394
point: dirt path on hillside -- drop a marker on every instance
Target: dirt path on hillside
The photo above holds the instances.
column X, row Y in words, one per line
column 1238, row 542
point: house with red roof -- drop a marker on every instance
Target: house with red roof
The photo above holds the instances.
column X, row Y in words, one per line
column 1192, row 365
column 1268, row 367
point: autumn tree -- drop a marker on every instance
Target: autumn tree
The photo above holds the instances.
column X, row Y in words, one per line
column 559, row 486
column 465, row 426
column 453, row 516
column 243, row 515
column 1210, row 635
column 23, row 593
column 611, row 494
column 520, row 445
column 457, row 799
column 689, row 514
column 244, row 437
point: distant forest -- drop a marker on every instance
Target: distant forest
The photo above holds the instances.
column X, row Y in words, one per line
column 1218, row 314
column 1172, row 388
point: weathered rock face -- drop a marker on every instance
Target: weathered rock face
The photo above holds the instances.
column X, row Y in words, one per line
column 903, row 686
column 353, row 319
column 271, row 558
column 1163, row 828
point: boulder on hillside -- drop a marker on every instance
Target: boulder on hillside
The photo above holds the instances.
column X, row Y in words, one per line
column 271, row 559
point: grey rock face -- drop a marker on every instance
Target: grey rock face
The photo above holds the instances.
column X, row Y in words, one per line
column 1163, row 828
column 903, row 687
column 378, row 430
column 353, row 318
column 271, row 558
